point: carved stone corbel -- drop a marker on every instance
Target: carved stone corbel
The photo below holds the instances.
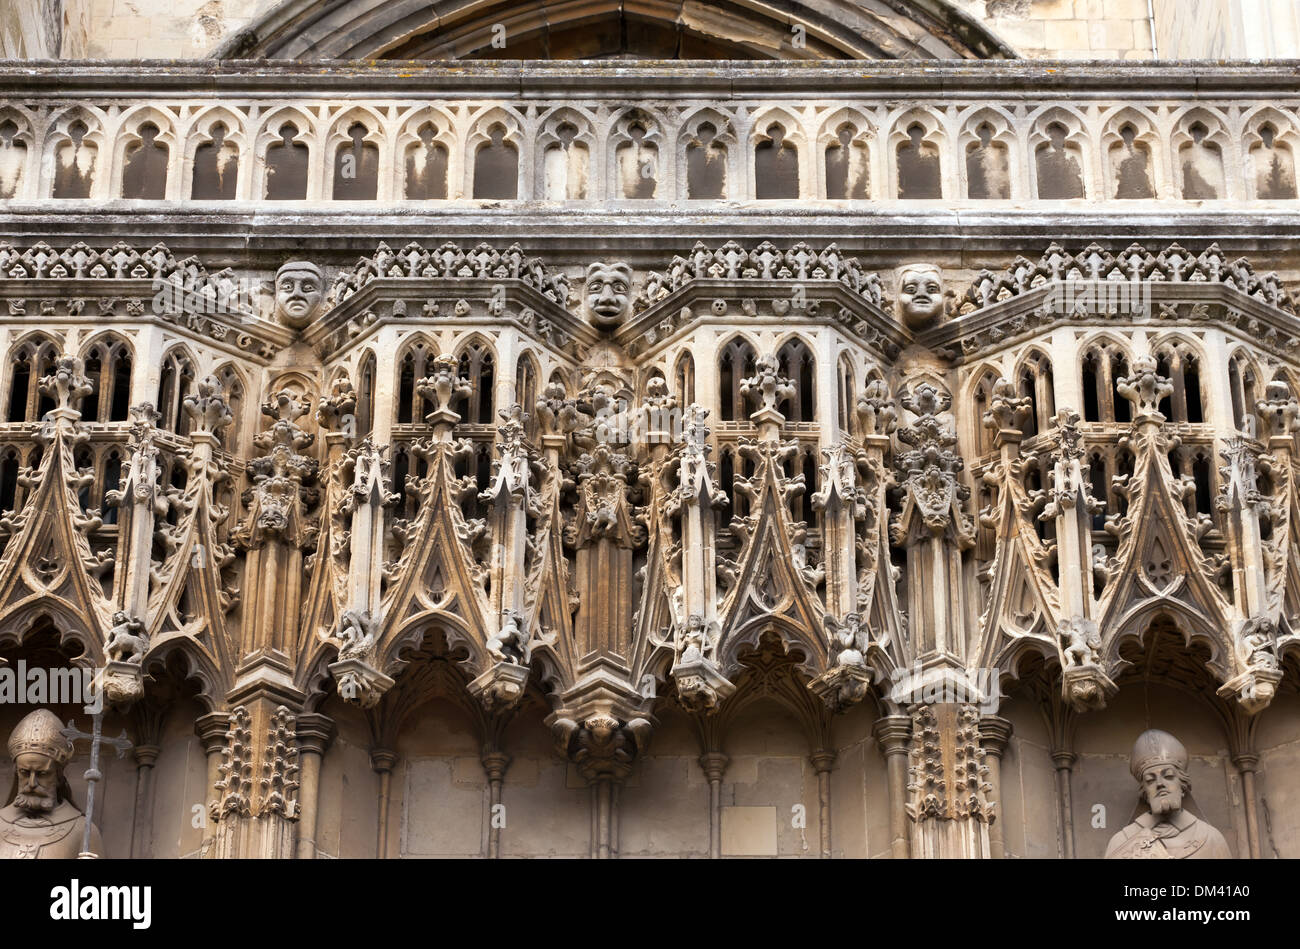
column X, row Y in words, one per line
column 701, row 686
column 357, row 680
column 1256, row 654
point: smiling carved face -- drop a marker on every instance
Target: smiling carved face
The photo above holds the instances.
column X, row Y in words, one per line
column 608, row 291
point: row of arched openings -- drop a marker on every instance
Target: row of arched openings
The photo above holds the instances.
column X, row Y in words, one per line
column 1058, row 145
column 107, row 363
column 738, row 361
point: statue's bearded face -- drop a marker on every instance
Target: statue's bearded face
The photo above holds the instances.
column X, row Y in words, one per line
column 920, row 296
column 38, row 783
column 608, row 289
column 298, row 293
column 1162, row 786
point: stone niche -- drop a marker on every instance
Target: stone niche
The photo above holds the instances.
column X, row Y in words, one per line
column 859, row 787
column 767, row 775
column 115, row 795
column 1028, row 810
column 1278, row 740
column 1101, row 775
column 666, row 799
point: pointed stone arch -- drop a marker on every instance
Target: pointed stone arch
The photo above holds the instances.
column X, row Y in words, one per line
column 659, row 29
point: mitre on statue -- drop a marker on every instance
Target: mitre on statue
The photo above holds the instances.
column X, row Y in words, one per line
column 41, row 733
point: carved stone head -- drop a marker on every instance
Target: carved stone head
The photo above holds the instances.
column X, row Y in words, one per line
column 39, row 750
column 1159, row 763
column 299, row 292
column 920, row 295
column 608, row 294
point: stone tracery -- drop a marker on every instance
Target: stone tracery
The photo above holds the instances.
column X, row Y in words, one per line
column 600, row 490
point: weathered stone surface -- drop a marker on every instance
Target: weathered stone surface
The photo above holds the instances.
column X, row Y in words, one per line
column 590, row 517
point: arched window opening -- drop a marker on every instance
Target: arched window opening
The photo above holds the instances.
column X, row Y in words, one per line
column 564, row 166
column 1121, row 407
column 1274, row 166
column 983, row 396
column 175, row 383
column 366, row 396
column 426, row 166
column 918, row 166
column 412, row 367
column 1130, row 160
column 216, row 167
column 356, row 167
column 1201, row 163
column 637, row 161
column 726, row 481
column 1192, row 390
column 13, row 159
column 1060, row 177
column 20, row 379
column 1202, row 476
column 776, row 166
column 74, row 171
column 476, row 366
column 1037, row 386
column 286, row 166
column 1091, row 402
column 988, row 172
column 807, row 514
column 1179, row 365
column 848, row 174
column 496, row 166
column 1103, row 367
column 144, row 173
column 706, row 165
column 844, row 394
column 1241, row 384
column 1100, row 485
column 30, row 362
column 112, row 482
column 8, row 480
column 797, row 364
column 685, row 377
column 107, row 364
column 234, row 390
column 526, row 391
column 93, row 367
column 735, row 363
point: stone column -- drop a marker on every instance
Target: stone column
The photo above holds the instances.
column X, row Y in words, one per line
column 823, row 762
column 892, row 733
column 714, row 764
column 1247, row 764
column 211, row 729
column 494, row 764
column 383, row 762
column 1064, row 761
column 141, row 819
column 315, row 733
column 996, row 733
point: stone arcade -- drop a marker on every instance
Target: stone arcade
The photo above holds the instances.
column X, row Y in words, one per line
column 660, row 459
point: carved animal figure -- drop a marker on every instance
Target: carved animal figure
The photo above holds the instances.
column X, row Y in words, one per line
column 126, row 641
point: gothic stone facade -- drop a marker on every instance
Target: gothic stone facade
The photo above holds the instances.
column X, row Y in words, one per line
column 643, row 460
